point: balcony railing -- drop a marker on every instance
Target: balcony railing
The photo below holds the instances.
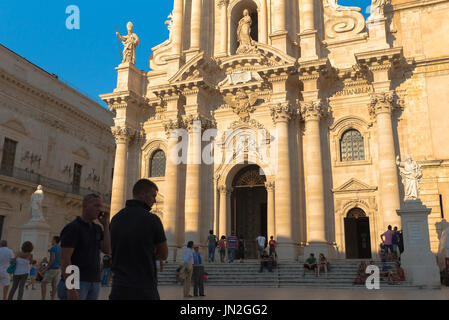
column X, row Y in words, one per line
column 38, row 179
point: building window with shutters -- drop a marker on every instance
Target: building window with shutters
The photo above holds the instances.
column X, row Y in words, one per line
column 157, row 164
column 352, row 146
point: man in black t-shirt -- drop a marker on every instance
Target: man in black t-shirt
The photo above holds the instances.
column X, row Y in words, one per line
column 81, row 242
column 138, row 240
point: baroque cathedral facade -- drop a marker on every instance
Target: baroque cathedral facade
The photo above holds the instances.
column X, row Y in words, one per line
column 338, row 99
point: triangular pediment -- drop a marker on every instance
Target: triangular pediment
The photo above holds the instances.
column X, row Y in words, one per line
column 16, row 126
column 266, row 57
column 354, row 185
column 190, row 70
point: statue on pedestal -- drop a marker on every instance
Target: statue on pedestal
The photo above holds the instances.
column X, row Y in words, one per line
column 36, row 205
column 131, row 41
column 411, row 173
column 247, row 44
column 377, row 9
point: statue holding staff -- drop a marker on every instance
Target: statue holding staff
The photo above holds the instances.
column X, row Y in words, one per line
column 131, row 41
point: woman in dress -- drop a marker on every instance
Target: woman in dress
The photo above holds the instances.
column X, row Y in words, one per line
column 244, row 34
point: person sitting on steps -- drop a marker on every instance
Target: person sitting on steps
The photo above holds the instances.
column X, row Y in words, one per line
column 310, row 264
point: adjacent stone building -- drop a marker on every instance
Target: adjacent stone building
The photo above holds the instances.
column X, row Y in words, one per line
column 50, row 135
column 338, row 97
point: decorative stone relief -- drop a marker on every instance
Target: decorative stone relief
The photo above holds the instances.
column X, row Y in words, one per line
column 378, row 8
column 242, row 104
column 342, row 22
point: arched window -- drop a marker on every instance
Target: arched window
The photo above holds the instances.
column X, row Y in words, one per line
column 352, row 147
column 157, row 164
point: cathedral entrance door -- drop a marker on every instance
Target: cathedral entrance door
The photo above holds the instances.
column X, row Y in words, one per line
column 249, row 209
column 357, row 235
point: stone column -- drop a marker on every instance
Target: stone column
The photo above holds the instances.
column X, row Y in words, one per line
column 225, row 211
column 382, row 108
column 178, row 22
column 223, row 5
column 196, row 24
column 171, row 201
column 270, row 185
column 308, row 15
column 316, row 215
column 279, row 16
column 193, row 214
column 263, row 19
column 122, row 136
column 282, row 114
column 309, row 40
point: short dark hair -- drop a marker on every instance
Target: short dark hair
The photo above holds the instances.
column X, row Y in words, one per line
column 144, row 185
column 57, row 239
column 190, row 244
column 3, row 243
column 211, row 232
column 89, row 197
column 27, row 247
column 312, row 255
column 390, row 227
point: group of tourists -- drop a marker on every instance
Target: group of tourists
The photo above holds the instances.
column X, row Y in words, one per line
column 23, row 268
column 131, row 243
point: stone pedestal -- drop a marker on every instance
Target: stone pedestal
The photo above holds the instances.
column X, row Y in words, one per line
column 129, row 78
column 38, row 233
column 418, row 261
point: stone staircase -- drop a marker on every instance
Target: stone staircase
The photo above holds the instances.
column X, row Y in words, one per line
column 288, row 274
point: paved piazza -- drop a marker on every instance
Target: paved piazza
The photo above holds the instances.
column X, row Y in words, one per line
column 247, row 293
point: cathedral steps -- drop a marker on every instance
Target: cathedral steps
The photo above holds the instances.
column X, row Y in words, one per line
column 288, row 274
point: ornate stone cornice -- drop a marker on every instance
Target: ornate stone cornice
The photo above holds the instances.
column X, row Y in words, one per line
column 281, row 112
column 379, row 60
column 381, row 103
column 312, row 111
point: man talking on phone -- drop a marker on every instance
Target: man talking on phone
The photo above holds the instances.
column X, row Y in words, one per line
column 81, row 242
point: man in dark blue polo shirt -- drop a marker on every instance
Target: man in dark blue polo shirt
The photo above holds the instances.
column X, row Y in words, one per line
column 81, row 242
column 138, row 240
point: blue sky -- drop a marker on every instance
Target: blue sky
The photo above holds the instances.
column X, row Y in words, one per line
column 86, row 58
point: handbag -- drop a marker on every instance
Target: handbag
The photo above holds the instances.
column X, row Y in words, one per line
column 12, row 267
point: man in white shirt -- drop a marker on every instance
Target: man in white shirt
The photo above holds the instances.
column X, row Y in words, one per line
column 188, row 269
column 6, row 255
column 260, row 245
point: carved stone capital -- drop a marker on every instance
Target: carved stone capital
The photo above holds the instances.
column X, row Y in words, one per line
column 381, row 103
column 223, row 190
column 281, row 112
column 312, row 111
column 270, row 185
column 190, row 122
column 172, row 125
column 122, row 134
column 221, row 3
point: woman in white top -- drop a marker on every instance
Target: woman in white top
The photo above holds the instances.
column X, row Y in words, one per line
column 23, row 260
